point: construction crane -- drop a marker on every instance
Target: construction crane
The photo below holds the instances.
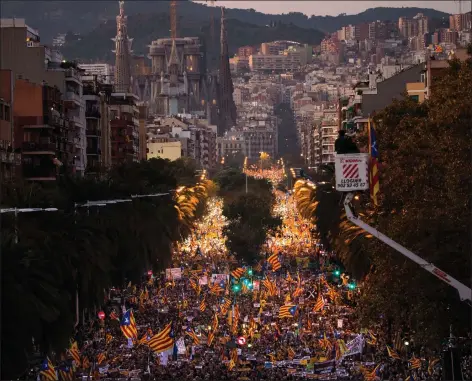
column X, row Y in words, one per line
column 173, row 19
column 212, row 21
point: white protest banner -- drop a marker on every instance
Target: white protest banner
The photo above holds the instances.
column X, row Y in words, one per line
column 175, row 273
column 218, row 278
column 340, row 323
column 181, row 350
column 355, row 346
column 203, row 280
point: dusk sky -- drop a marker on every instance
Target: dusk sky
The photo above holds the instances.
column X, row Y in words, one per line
column 334, row 8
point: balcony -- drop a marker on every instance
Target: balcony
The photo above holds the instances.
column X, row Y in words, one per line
column 93, row 132
column 73, row 98
column 29, row 148
column 94, row 151
column 76, row 120
column 121, row 123
column 92, row 114
column 33, row 172
column 10, row 157
column 73, row 75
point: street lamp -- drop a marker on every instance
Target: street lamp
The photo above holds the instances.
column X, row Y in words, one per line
column 245, row 170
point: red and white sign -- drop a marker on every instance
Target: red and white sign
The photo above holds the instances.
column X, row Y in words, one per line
column 241, row 340
column 101, row 315
column 352, row 172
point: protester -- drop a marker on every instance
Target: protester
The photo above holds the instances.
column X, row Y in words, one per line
column 317, row 338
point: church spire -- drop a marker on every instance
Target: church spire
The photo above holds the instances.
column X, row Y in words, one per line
column 122, row 52
column 227, row 107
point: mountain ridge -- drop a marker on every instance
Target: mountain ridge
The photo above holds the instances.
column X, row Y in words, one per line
column 53, row 17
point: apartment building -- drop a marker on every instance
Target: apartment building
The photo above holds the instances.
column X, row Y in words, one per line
column 124, row 127
column 182, row 136
column 274, row 63
column 10, row 160
column 418, row 25
column 22, row 53
column 42, row 132
column 165, row 148
column 246, row 51
column 460, row 22
column 240, row 95
column 231, row 143
column 104, row 72
column 74, row 108
column 96, row 96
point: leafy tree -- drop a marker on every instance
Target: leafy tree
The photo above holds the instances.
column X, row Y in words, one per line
column 249, row 214
column 425, row 206
column 49, row 258
column 250, row 219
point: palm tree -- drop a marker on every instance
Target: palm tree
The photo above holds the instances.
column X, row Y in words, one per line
column 323, row 207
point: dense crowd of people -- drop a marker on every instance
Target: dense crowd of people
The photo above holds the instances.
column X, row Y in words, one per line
column 290, row 316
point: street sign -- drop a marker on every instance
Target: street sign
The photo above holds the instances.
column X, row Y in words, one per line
column 352, row 172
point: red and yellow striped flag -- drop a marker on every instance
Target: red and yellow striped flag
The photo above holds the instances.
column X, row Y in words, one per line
column 163, row 340
column 274, row 262
column 374, row 164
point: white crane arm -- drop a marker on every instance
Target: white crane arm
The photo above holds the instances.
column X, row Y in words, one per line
column 465, row 293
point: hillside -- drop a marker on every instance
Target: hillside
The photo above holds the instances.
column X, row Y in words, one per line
column 97, row 45
column 53, row 17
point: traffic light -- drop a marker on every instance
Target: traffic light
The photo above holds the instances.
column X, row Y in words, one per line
column 337, row 273
column 351, row 286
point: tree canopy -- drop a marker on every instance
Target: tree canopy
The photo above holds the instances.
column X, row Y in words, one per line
column 48, row 258
column 424, row 205
column 249, row 214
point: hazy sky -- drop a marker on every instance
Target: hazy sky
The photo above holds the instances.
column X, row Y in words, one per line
column 334, row 8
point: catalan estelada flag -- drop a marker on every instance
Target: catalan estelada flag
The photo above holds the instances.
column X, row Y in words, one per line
column 274, row 262
column 163, row 340
column 74, row 352
column 374, row 164
column 190, row 332
column 211, row 337
column 319, row 305
column 393, row 354
column 128, row 325
column 66, row 372
column 48, row 371
column 415, row 363
column 287, row 311
column 238, row 273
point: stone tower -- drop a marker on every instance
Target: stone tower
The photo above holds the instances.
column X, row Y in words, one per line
column 122, row 53
column 227, row 107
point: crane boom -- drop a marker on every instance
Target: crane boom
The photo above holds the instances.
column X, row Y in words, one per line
column 465, row 293
column 173, row 19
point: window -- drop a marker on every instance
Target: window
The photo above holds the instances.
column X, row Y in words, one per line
column 415, row 97
column 6, row 115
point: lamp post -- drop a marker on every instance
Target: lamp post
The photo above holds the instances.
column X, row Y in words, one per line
column 245, row 170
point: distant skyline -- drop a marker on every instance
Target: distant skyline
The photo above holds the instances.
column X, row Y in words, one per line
column 334, row 8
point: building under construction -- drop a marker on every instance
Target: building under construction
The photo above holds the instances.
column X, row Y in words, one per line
column 177, row 76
